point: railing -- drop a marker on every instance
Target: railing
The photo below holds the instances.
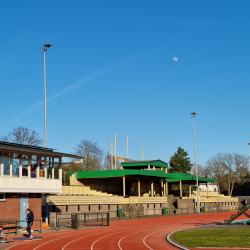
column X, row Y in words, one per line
column 77, row 220
column 16, row 224
column 239, row 213
column 158, row 212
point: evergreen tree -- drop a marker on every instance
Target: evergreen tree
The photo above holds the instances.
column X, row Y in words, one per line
column 180, row 162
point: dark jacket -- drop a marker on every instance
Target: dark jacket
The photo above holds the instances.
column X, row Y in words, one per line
column 30, row 217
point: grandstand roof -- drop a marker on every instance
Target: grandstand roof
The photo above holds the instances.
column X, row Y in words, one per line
column 170, row 177
column 142, row 164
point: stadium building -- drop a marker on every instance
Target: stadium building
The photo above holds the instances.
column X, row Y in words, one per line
column 26, row 173
column 143, row 185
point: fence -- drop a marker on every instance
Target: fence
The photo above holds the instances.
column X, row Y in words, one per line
column 15, row 224
column 158, row 212
column 77, row 220
column 63, row 222
column 89, row 219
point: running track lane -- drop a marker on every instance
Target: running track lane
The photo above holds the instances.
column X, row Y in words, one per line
column 122, row 235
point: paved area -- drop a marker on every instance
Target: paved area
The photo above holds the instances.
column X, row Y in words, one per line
column 132, row 234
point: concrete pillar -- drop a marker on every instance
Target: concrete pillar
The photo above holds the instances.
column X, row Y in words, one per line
column 139, row 187
column 53, row 173
column 190, row 192
column 166, row 188
column 123, row 179
column 46, row 210
column 180, row 189
column 162, row 188
column 153, row 167
column 166, row 170
column 207, row 189
column 148, row 167
column 152, row 188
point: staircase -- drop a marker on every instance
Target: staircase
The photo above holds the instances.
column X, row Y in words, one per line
column 239, row 213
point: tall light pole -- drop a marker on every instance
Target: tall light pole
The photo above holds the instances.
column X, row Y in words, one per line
column 127, row 147
column 248, row 158
column 45, row 48
column 197, row 183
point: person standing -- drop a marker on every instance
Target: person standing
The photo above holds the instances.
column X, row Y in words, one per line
column 29, row 219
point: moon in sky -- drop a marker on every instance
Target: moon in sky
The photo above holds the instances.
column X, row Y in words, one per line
column 175, row 59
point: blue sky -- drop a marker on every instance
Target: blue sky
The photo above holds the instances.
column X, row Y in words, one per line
column 111, row 69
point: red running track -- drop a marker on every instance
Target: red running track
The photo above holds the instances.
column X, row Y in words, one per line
column 122, row 235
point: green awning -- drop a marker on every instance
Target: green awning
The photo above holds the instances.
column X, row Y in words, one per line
column 141, row 164
column 170, row 177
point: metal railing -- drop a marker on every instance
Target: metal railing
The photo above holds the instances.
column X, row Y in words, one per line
column 16, row 224
column 99, row 218
column 159, row 212
column 77, row 220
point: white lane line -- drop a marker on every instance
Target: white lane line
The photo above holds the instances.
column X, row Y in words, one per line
column 119, row 243
column 78, row 239
column 46, row 236
column 149, row 235
column 67, row 236
column 62, row 237
column 92, row 246
column 123, row 238
column 97, row 239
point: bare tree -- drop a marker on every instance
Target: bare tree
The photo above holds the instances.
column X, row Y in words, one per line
column 92, row 155
column 228, row 169
column 107, row 162
column 23, row 135
column 200, row 170
column 215, row 170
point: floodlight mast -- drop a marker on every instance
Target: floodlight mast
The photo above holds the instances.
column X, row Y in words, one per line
column 248, row 157
column 45, row 47
column 196, row 170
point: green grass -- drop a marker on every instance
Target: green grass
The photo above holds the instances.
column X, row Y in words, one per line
column 214, row 238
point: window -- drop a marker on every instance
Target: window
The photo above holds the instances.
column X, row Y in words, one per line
column 33, row 168
column 43, row 158
column 49, row 170
column 2, row 197
column 49, row 159
column 56, row 160
column 25, row 167
column 7, row 154
column 25, row 157
column 16, row 155
column 34, row 157
column 42, row 170
column 6, row 166
column 15, row 167
column 56, row 170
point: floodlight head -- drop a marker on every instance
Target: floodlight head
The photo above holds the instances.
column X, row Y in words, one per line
column 248, row 143
column 47, row 45
column 194, row 114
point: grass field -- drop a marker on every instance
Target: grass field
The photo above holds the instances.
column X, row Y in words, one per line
column 239, row 238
